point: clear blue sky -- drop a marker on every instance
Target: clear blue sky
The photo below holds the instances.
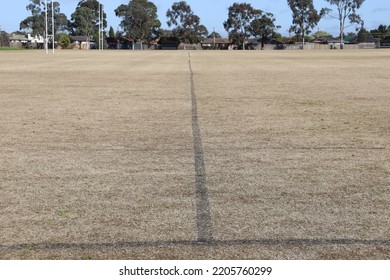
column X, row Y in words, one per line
column 212, row 12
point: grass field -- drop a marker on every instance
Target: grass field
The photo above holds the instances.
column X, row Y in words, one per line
column 200, row 155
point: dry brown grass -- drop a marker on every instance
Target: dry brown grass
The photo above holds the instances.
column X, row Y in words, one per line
column 97, row 155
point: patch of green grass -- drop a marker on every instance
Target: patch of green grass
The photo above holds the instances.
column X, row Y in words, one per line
column 62, row 213
column 9, row 49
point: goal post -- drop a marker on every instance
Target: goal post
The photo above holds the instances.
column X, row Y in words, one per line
column 47, row 36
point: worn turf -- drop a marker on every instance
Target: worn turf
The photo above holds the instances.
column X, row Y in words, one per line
column 200, row 155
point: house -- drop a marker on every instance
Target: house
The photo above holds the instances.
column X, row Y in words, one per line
column 23, row 41
column 113, row 43
column 269, row 44
column 217, row 43
column 385, row 42
column 82, row 42
column 168, row 43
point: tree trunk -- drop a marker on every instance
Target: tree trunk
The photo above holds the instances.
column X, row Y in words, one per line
column 342, row 24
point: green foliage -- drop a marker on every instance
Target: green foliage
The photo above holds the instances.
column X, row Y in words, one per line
column 187, row 24
column 214, row 35
column 346, row 9
column 321, row 33
column 111, row 33
column 139, row 20
column 381, row 32
column 238, row 24
column 304, row 17
column 64, row 40
column 4, row 39
column 243, row 21
column 263, row 26
column 85, row 19
column 36, row 22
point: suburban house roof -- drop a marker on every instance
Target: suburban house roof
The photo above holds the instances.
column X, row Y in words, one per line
column 17, row 37
column 253, row 41
column 81, row 38
column 217, row 41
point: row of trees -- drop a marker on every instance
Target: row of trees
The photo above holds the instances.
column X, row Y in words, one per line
column 139, row 20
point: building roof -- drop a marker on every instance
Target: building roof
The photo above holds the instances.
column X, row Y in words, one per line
column 82, row 38
column 17, row 37
column 217, row 41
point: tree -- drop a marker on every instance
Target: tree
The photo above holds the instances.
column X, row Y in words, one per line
column 263, row 26
column 381, row 32
column 305, row 17
column 362, row 34
column 187, row 24
column 321, row 33
column 346, row 9
column 238, row 24
column 111, row 33
column 214, row 35
column 64, row 40
column 85, row 19
column 36, row 22
column 139, row 20
column 4, row 38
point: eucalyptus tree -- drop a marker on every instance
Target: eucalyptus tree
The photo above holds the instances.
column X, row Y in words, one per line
column 85, row 19
column 263, row 26
column 346, row 9
column 187, row 24
column 36, row 22
column 304, row 17
column 139, row 20
column 238, row 23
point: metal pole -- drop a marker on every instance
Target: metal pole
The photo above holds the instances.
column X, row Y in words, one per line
column 99, row 25
column 102, row 22
column 46, row 29
column 52, row 24
column 214, row 36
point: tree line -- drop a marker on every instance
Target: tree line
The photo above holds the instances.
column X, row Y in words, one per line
column 140, row 23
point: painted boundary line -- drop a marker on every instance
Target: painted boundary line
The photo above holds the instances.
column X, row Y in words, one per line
column 216, row 243
column 204, row 225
